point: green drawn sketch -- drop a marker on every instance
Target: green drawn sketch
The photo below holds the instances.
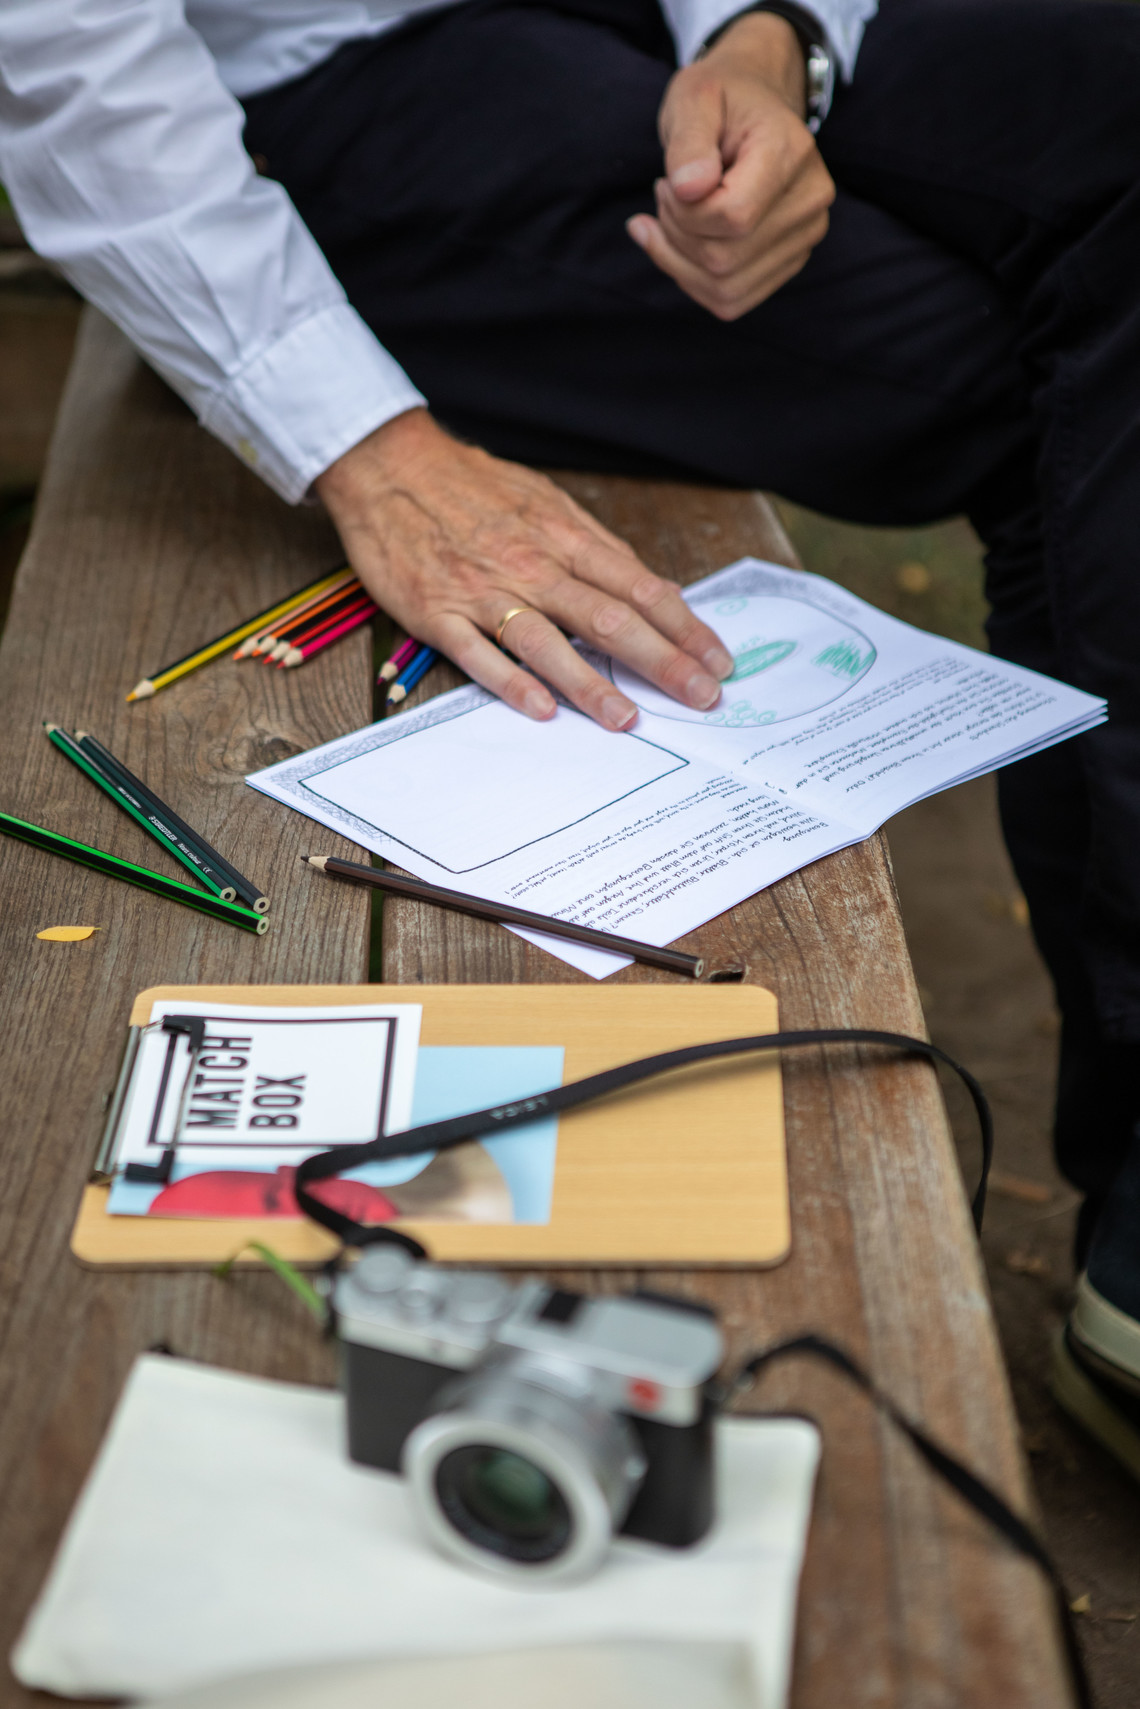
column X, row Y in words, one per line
column 740, row 715
column 790, row 657
column 760, row 656
column 843, row 658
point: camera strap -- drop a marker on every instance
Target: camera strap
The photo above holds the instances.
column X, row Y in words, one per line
column 972, row 1489
column 457, row 1130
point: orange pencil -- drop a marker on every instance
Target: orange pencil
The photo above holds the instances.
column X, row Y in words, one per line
column 339, row 579
column 286, row 633
column 297, row 654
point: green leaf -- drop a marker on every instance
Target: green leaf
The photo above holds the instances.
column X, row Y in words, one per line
column 281, row 1267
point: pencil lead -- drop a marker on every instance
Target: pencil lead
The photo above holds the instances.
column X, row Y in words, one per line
column 50, row 727
column 305, row 858
column 142, row 690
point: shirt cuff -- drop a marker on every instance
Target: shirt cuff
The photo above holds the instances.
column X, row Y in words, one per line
column 841, row 24
column 308, row 398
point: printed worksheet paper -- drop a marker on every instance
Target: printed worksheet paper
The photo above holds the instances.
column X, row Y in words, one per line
column 836, row 717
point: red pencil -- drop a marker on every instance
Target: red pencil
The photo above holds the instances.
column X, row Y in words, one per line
column 317, row 619
column 298, row 655
column 255, row 645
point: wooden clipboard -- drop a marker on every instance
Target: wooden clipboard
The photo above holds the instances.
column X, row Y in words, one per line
column 689, row 1168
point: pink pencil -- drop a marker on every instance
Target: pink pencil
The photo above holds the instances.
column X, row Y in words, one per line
column 322, row 621
column 401, row 657
column 257, row 644
column 298, row 655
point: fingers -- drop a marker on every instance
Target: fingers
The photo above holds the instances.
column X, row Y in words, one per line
column 644, row 610
column 538, row 643
column 487, row 665
column 728, row 295
column 754, row 226
column 692, row 121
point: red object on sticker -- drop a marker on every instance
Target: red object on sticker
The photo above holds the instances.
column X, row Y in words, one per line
column 643, row 1393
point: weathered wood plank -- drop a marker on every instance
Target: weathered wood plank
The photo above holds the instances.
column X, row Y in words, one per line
column 906, row 1598
column 149, row 537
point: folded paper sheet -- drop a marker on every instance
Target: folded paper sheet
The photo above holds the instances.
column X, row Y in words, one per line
column 224, row 1531
column 836, row 717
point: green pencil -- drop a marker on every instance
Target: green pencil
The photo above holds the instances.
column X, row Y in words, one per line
column 156, row 882
column 163, row 834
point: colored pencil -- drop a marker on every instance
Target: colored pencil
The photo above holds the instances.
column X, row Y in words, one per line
column 393, row 666
column 254, row 644
column 210, row 649
column 317, row 644
column 353, row 600
column 277, row 640
column 247, row 892
column 143, row 814
column 674, row 960
column 156, row 882
column 411, row 675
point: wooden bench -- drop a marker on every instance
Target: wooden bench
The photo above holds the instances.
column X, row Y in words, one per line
column 148, row 537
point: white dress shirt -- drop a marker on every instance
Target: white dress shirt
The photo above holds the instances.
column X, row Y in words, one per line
column 121, row 149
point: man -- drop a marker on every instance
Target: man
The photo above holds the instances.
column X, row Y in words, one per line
column 618, row 235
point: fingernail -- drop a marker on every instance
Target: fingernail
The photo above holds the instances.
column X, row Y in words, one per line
column 720, row 662
column 682, row 175
column 537, row 705
column 638, row 230
column 703, row 693
column 618, row 712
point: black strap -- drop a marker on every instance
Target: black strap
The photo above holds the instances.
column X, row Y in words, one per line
column 972, row 1489
column 457, row 1130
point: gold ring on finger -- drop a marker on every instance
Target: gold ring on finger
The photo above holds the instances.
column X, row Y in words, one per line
column 515, row 611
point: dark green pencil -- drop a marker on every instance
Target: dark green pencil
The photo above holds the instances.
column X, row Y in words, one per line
column 244, row 889
column 156, row 882
column 140, row 811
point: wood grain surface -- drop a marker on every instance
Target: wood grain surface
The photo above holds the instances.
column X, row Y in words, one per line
column 150, row 538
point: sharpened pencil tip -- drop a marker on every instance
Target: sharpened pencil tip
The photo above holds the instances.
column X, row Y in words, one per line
column 50, row 727
column 303, row 857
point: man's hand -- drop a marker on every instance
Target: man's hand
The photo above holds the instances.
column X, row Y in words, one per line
column 745, row 197
column 448, row 539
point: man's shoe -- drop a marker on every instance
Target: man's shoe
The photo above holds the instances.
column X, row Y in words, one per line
column 1096, row 1374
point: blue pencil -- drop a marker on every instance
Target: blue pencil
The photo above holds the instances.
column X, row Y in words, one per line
column 411, row 674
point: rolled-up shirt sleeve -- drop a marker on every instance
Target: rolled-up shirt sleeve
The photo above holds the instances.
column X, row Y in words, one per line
column 842, row 21
column 122, row 153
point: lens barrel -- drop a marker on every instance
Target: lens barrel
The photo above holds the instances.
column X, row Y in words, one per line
column 521, row 1471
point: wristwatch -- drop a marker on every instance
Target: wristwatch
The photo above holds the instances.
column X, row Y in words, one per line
column 819, row 64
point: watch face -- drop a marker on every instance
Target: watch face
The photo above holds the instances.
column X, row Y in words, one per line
column 818, row 72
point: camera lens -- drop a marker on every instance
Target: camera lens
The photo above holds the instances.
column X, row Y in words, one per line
column 522, row 1471
column 503, row 1502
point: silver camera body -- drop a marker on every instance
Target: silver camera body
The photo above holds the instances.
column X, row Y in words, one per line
column 531, row 1423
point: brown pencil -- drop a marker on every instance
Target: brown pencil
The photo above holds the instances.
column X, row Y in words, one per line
column 673, row 960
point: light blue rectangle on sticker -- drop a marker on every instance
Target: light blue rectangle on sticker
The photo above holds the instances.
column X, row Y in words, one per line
column 453, row 1079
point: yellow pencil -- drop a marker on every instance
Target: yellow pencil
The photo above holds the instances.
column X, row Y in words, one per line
column 202, row 655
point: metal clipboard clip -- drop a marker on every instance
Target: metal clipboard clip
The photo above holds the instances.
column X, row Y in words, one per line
column 193, row 1028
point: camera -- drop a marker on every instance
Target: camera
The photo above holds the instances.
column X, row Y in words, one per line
column 531, row 1423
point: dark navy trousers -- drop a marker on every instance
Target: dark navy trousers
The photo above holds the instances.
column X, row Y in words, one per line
column 965, row 339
